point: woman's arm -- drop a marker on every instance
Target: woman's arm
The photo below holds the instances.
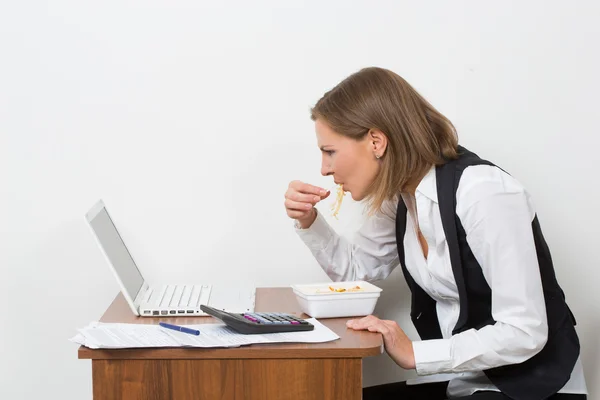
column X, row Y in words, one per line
column 371, row 255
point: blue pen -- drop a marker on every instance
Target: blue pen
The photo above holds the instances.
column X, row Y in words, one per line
column 179, row 328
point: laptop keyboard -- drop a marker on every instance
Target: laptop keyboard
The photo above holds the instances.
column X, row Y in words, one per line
column 178, row 299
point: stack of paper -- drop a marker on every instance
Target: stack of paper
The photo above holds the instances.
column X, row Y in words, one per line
column 99, row 335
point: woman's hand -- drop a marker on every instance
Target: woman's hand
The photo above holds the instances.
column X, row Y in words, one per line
column 300, row 199
column 397, row 344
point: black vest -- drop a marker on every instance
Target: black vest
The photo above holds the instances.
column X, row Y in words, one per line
column 543, row 374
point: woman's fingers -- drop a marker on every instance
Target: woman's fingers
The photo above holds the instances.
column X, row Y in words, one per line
column 301, row 197
column 297, row 214
column 296, row 196
column 372, row 324
column 380, row 327
column 302, row 187
column 298, row 209
column 363, row 323
column 297, row 206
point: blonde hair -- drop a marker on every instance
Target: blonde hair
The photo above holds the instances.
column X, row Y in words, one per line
column 418, row 135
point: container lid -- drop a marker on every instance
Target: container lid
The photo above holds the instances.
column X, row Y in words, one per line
column 341, row 288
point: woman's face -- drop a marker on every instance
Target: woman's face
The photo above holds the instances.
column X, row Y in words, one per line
column 352, row 163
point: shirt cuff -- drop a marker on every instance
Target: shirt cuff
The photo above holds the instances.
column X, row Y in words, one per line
column 318, row 235
column 433, row 356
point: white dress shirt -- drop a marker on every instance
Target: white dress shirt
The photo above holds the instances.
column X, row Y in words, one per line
column 496, row 213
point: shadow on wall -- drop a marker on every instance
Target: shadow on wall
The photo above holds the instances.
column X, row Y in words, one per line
column 590, row 354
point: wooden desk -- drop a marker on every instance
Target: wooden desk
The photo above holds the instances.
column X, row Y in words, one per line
column 320, row 371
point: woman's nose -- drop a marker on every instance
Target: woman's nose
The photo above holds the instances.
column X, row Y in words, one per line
column 326, row 170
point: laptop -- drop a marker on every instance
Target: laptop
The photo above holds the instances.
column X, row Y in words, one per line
column 146, row 300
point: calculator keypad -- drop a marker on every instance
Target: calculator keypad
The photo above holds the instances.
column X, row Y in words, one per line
column 274, row 318
column 259, row 322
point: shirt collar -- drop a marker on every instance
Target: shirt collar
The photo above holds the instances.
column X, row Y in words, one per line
column 427, row 186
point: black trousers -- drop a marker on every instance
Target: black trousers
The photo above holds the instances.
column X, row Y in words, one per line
column 437, row 391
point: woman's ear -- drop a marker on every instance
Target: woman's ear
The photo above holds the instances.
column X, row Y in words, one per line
column 378, row 141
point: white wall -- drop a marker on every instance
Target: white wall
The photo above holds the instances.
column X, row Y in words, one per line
column 190, row 119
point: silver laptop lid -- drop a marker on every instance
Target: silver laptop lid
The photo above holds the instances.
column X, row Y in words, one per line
column 117, row 254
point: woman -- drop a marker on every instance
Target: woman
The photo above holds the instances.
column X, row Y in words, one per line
column 485, row 299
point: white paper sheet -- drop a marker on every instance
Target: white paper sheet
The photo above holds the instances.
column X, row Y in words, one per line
column 99, row 335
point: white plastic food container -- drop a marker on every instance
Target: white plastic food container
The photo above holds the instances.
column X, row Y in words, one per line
column 319, row 301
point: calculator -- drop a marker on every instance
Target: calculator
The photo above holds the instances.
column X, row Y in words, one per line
column 259, row 322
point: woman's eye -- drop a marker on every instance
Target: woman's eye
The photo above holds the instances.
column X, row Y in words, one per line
column 330, row 152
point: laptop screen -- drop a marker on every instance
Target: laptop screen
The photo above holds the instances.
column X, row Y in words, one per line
column 117, row 252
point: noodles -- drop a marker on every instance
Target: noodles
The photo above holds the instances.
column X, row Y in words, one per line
column 339, row 290
column 338, row 201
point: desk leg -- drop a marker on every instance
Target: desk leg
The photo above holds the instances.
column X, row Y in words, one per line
column 235, row 379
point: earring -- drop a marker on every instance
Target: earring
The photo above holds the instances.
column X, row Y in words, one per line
column 377, row 156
